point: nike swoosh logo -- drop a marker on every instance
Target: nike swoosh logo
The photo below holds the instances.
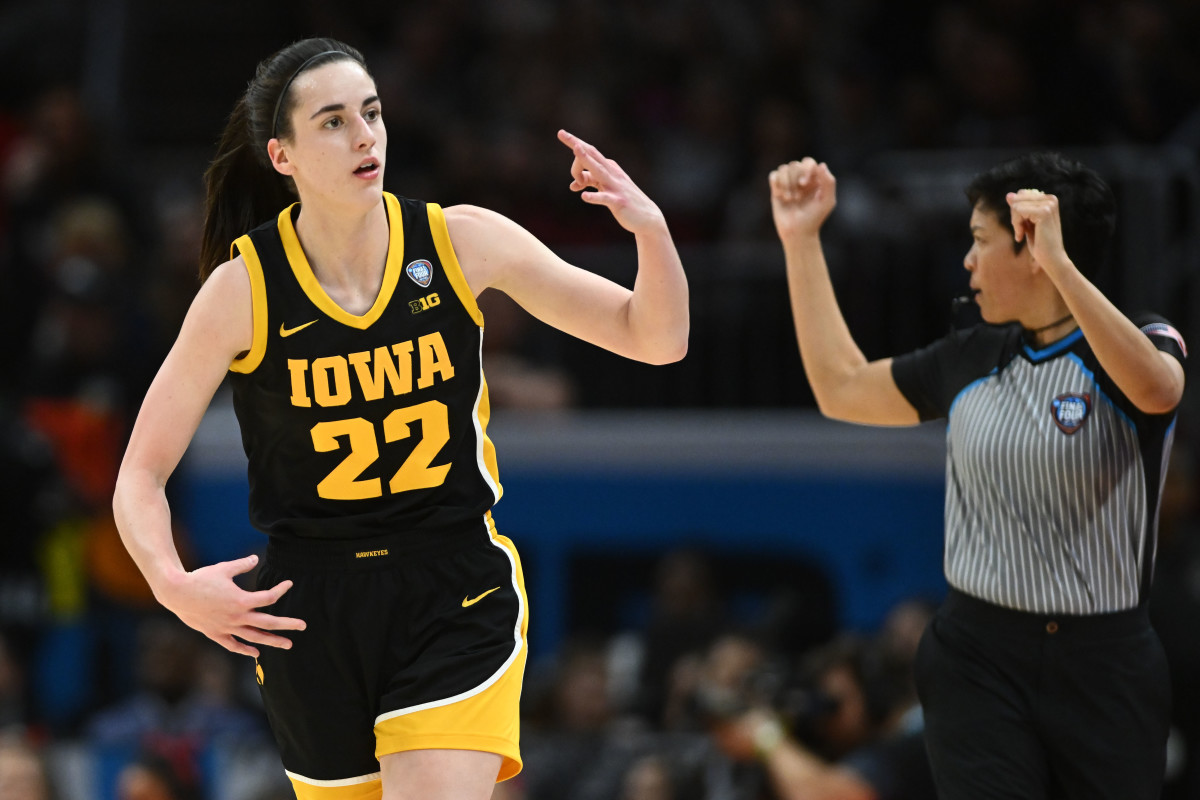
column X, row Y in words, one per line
column 285, row 331
column 470, row 601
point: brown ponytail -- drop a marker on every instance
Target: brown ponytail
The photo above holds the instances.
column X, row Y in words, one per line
column 242, row 188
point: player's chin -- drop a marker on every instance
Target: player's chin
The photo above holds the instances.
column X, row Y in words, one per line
column 367, row 191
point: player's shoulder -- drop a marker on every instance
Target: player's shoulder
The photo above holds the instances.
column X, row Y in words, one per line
column 226, row 293
column 480, row 233
column 220, row 318
column 470, row 217
column 230, row 277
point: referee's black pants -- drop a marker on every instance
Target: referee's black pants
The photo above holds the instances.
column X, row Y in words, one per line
column 1041, row 707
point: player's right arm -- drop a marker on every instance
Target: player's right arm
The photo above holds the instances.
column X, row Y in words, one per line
column 845, row 384
column 218, row 327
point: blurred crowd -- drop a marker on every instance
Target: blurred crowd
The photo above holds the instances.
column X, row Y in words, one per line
column 698, row 101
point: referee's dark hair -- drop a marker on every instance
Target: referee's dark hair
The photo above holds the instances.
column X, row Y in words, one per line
column 1086, row 203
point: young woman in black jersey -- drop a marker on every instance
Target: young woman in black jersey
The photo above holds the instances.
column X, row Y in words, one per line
column 389, row 623
column 1040, row 676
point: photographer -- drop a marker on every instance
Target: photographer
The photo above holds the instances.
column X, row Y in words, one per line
column 854, row 734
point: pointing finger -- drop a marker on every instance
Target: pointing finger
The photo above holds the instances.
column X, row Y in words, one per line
column 567, row 138
column 590, row 157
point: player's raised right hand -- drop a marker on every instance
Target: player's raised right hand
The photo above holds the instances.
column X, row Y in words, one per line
column 803, row 193
column 209, row 600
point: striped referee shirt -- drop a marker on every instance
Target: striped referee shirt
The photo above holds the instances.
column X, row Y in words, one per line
column 1053, row 477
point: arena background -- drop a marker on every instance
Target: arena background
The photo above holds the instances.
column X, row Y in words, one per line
column 108, row 114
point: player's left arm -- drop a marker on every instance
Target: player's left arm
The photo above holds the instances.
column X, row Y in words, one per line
column 648, row 323
column 1151, row 379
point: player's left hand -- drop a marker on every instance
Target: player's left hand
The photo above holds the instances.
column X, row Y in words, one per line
column 611, row 187
column 1036, row 221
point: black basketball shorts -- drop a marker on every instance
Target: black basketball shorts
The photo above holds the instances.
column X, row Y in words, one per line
column 407, row 647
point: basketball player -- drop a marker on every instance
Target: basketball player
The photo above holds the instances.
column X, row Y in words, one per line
column 1040, row 676
column 349, row 326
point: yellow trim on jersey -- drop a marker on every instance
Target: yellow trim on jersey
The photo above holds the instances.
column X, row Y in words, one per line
column 258, row 301
column 445, row 251
column 312, row 287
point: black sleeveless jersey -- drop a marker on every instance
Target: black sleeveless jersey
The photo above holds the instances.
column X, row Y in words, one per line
column 363, row 425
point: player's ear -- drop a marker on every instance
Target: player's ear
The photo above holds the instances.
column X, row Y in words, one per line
column 278, row 153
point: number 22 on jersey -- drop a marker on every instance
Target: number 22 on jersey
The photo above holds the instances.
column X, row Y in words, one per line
column 417, row 471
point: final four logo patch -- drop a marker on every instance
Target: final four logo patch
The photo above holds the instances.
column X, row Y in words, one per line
column 1071, row 411
column 421, row 272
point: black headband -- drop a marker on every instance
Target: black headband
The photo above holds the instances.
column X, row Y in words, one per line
column 288, row 85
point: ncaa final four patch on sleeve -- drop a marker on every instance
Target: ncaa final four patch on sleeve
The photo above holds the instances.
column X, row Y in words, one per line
column 1163, row 329
column 1070, row 411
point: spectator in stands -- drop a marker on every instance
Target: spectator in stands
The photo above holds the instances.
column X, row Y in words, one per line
column 14, row 709
column 153, row 777
column 685, row 619
column 850, row 735
column 517, row 381
column 60, row 160
column 176, row 708
column 23, row 772
column 575, row 749
column 31, row 501
column 649, row 778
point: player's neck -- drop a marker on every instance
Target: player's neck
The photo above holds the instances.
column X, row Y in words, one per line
column 347, row 252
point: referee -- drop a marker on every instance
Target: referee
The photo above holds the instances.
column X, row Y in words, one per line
column 1040, row 676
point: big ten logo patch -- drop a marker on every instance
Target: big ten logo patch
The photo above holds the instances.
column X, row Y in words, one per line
column 425, row 303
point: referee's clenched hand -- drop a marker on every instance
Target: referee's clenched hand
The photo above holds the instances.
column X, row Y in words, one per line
column 803, row 194
column 208, row 600
column 1036, row 220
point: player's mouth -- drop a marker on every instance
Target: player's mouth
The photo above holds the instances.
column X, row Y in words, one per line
column 369, row 169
